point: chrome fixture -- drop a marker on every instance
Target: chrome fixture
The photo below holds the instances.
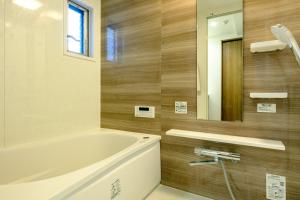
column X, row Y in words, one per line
column 218, row 158
column 283, row 34
column 204, row 162
column 217, row 154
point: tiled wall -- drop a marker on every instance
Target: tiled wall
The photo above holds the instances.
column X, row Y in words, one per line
column 46, row 92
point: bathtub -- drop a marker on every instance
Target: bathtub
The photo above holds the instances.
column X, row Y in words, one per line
column 100, row 165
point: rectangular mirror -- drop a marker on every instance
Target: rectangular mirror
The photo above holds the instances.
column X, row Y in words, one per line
column 220, row 60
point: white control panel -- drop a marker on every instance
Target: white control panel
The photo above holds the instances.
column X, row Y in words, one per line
column 276, row 187
column 180, row 107
column 266, row 108
column 144, row 111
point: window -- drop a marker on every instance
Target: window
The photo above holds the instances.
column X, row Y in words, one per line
column 111, row 46
column 78, row 29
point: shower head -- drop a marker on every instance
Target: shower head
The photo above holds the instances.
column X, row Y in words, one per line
column 283, row 34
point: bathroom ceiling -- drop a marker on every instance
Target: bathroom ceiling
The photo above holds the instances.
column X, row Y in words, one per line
column 231, row 24
column 215, row 4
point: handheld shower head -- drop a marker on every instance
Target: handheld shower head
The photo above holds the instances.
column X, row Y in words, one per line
column 283, row 34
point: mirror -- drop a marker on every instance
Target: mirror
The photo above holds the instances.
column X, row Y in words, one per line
column 220, row 60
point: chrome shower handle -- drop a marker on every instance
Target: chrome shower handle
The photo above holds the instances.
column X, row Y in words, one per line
column 204, row 162
column 217, row 154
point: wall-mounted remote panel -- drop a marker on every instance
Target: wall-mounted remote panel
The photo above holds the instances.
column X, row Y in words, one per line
column 144, row 111
column 266, row 108
column 181, row 107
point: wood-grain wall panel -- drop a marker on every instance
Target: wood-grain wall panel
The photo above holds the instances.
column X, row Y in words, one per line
column 263, row 73
column 134, row 79
column 160, row 68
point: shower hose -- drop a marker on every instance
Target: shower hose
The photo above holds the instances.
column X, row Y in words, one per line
column 226, row 180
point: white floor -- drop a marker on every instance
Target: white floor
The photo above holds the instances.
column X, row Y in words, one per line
column 163, row 192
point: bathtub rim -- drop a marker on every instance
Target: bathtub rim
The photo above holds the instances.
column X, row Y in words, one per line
column 54, row 139
column 55, row 188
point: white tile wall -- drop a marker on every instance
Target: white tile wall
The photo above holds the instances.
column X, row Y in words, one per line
column 47, row 93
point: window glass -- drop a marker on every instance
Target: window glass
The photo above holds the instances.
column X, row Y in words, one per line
column 77, row 34
column 111, row 44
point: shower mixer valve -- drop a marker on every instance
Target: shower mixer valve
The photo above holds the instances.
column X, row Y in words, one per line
column 217, row 158
column 216, row 155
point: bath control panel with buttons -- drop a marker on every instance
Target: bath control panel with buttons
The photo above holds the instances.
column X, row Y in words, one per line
column 266, row 108
column 144, row 111
column 181, row 107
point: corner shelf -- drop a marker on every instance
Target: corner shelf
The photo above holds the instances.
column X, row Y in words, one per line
column 229, row 139
column 270, row 95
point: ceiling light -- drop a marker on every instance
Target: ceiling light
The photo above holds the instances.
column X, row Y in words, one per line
column 28, row 4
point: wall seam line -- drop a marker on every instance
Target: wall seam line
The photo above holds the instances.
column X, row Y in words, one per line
column 4, row 77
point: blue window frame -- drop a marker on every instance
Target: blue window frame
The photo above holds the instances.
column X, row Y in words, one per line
column 77, row 35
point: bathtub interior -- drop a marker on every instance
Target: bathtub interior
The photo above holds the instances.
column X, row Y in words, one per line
column 37, row 162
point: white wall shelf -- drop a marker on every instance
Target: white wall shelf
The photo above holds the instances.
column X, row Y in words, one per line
column 229, row 139
column 270, row 95
column 267, row 46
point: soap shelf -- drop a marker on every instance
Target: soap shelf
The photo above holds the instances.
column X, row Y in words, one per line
column 229, row 139
column 271, row 95
column 267, row 46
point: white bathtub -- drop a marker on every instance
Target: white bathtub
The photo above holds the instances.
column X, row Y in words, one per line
column 102, row 165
